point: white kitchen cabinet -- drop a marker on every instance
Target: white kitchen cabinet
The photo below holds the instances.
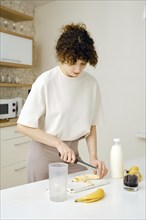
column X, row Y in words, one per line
column 16, row 50
column 14, row 148
column 13, row 175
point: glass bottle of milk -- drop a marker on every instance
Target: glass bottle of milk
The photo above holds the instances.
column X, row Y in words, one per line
column 116, row 160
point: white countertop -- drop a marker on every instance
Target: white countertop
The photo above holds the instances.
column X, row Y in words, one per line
column 31, row 201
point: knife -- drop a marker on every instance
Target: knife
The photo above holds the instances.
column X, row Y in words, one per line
column 81, row 161
column 85, row 163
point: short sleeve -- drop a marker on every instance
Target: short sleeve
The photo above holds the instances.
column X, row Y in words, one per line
column 34, row 107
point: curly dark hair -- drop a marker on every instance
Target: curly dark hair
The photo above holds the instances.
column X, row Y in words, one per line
column 75, row 44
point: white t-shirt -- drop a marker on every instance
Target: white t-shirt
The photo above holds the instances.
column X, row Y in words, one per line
column 63, row 106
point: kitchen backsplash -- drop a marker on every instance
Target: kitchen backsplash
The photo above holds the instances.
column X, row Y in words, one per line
column 25, row 75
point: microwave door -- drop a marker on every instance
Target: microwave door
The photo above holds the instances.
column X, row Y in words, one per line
column 4, row 110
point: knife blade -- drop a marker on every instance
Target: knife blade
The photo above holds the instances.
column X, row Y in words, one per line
column 85, row 163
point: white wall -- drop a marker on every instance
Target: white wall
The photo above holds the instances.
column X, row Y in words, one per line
column 119, row 33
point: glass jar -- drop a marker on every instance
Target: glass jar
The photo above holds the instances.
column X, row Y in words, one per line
column 130, row 182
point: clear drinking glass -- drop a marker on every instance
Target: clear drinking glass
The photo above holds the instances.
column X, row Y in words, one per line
column 58, row 181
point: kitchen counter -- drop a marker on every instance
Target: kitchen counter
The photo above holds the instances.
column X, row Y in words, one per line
column 31, row 201
column 9, row 122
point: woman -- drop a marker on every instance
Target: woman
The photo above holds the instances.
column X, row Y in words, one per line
column 64, row 107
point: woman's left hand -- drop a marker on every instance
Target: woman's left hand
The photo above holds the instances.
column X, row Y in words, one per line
column 101, row 168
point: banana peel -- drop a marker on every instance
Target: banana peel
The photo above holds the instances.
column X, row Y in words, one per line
column 92, row 197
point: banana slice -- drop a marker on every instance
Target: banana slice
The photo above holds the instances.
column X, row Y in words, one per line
column 85, row 178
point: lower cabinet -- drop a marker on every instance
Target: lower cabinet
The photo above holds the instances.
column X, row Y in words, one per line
column 13, row 175
column 14, row 149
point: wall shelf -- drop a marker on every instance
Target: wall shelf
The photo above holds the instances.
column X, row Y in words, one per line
column 14, row 85
column 14, row 65
column 13, row 14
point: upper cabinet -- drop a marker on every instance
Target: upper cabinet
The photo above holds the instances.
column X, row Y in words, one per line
column 16, row 50
column 13, row 15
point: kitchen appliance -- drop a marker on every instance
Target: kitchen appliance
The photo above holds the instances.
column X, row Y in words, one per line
column 19, row 105
column 7, row 108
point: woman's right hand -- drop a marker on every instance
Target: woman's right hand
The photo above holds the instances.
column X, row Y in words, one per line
column 66, row 153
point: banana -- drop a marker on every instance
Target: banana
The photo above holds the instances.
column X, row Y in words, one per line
column 139, row 176
column 135, row 170
column 85, row 178
column 92, row 197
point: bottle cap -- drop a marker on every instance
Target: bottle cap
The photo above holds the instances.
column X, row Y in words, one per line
column 116, row 140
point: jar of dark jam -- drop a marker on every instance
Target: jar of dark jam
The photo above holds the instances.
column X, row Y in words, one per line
column 130, row 182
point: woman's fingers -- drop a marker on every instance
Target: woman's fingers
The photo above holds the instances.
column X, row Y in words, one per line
column 69, row 157
column 73, row 157
column 101, row 168
column 66, row 154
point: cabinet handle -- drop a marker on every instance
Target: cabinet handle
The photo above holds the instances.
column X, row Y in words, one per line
column 25, row 142
column 7, row 59
column 21, row 168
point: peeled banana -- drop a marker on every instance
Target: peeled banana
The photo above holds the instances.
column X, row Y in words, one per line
column 92, row 197
column 85, row 178
column 135, row 170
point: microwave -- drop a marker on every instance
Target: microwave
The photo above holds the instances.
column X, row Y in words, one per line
column 7, row 108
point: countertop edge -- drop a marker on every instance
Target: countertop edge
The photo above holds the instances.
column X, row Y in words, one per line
column 8, row 123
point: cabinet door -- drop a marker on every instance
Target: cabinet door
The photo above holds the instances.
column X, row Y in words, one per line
column 8, row 133
column 13, row 175
column 14, row 150
column 16, row 49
